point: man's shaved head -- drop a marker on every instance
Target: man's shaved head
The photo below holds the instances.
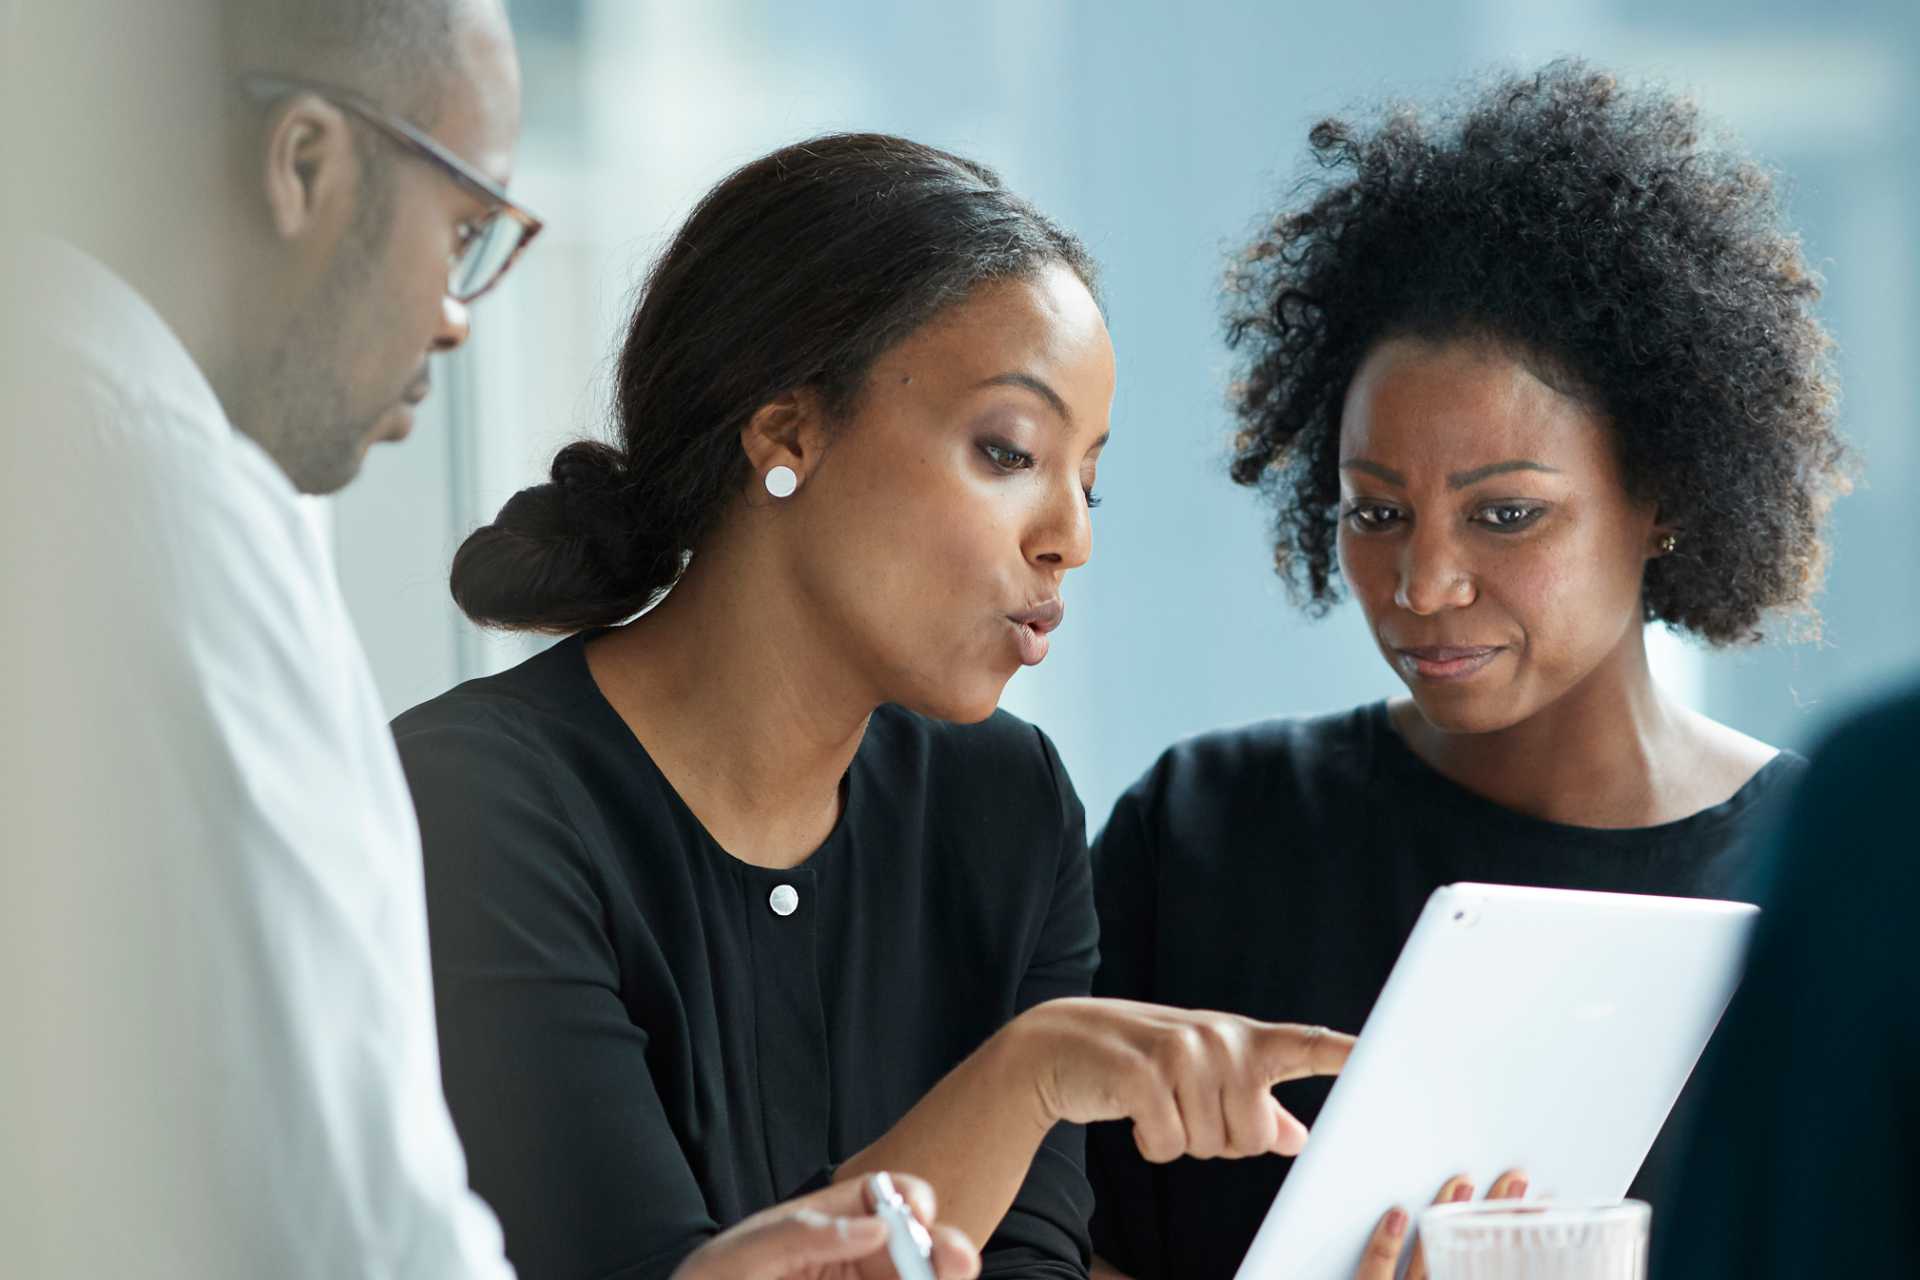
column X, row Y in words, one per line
column 400, row 53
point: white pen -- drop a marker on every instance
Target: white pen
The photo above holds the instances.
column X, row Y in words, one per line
column 908, row 1243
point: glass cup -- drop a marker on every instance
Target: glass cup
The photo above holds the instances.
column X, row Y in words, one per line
column 1536, row 1240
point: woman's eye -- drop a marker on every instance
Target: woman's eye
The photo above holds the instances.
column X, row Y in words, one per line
column 1007, row 458
column 1507, row 517
column 1093, row 499
column 1370, row 517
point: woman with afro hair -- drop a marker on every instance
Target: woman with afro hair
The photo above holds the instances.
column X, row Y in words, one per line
column 1522, row 376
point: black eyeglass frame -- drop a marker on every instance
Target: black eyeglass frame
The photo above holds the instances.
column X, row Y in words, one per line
column 266, row 87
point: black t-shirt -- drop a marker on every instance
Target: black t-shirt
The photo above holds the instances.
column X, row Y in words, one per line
column 643, row 1039
column 1276, row 871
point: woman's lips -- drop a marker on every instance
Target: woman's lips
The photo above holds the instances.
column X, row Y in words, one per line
column 1030, row 628
column 1445, row 663
column 1032, row 643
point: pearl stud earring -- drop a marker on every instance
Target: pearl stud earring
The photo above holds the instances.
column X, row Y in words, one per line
column 782, row 481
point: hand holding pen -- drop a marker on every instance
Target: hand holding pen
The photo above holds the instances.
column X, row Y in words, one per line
column 880, row 1227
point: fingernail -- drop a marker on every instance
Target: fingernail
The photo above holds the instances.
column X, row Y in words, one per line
column 1518, row 1189
column 1396, row 1224
column 1463, row 1192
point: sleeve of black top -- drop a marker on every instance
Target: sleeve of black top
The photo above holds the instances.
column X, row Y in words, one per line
column 1044, row 1235
column 1127, row 1212
column 545, row 1073
column 1802, row 1160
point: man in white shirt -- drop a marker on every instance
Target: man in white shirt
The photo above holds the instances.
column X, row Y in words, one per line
column 217, row 1049
column 221, row 1057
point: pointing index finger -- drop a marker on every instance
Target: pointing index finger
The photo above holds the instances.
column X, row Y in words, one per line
column 1289, row 1051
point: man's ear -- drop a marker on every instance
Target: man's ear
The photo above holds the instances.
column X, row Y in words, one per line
column 789, row 430
column 312, row 170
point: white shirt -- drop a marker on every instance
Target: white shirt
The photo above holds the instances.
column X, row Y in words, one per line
column 217, row 1045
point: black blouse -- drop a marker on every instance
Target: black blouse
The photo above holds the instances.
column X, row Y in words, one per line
column 1276, row 871
column 644, row 1039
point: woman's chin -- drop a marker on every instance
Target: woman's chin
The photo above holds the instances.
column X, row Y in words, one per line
column 959, row 705
column 1461, row 711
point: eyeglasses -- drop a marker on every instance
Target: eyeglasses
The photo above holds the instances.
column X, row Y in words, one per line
column 487, row 248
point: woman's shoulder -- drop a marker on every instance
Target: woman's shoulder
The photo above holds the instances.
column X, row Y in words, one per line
column 1741, row 779
column 1210, row 798
column 526, row 705
column 1284, row 757
column 503, row 740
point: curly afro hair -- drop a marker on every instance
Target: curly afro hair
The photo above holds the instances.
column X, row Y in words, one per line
column 1588, row 230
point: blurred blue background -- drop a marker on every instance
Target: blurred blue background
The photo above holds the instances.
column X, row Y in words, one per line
column 1160, row 133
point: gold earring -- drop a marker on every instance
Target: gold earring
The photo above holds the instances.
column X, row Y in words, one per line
column 1667, row 544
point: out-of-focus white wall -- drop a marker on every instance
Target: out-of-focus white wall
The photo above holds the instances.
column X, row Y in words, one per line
column 1160, row 133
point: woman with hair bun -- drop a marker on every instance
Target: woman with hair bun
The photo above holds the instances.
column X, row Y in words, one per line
column 757, row 890
column 1525, row 377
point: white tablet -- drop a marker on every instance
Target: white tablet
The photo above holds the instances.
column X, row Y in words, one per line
column 1535, row 1029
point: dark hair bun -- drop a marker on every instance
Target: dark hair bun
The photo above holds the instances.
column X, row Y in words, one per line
column 564, row 555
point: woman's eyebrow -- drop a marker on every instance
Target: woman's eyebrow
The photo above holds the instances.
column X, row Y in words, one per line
column 1458, row 480
column 1462, row 479
column 1375, row 470
column 1034, row 385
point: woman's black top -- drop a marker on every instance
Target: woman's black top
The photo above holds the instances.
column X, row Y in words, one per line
column 644, row 1040
column 1276, row 871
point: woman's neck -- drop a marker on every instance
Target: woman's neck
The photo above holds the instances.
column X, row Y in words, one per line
column 741, row 704
column 1614, row 751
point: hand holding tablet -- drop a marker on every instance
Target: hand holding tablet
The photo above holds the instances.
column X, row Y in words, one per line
column 1388, row 1244
column 1537, row 1028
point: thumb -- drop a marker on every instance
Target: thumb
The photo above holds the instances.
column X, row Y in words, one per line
column 1289, row 1135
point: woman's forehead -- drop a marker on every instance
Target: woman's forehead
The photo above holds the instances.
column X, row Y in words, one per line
column 1447, row 403
column 1036, row 327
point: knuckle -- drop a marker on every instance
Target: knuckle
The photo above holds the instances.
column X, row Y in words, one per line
column 1141, row 1078
column 1177, row 1050
column 1225, row 1041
